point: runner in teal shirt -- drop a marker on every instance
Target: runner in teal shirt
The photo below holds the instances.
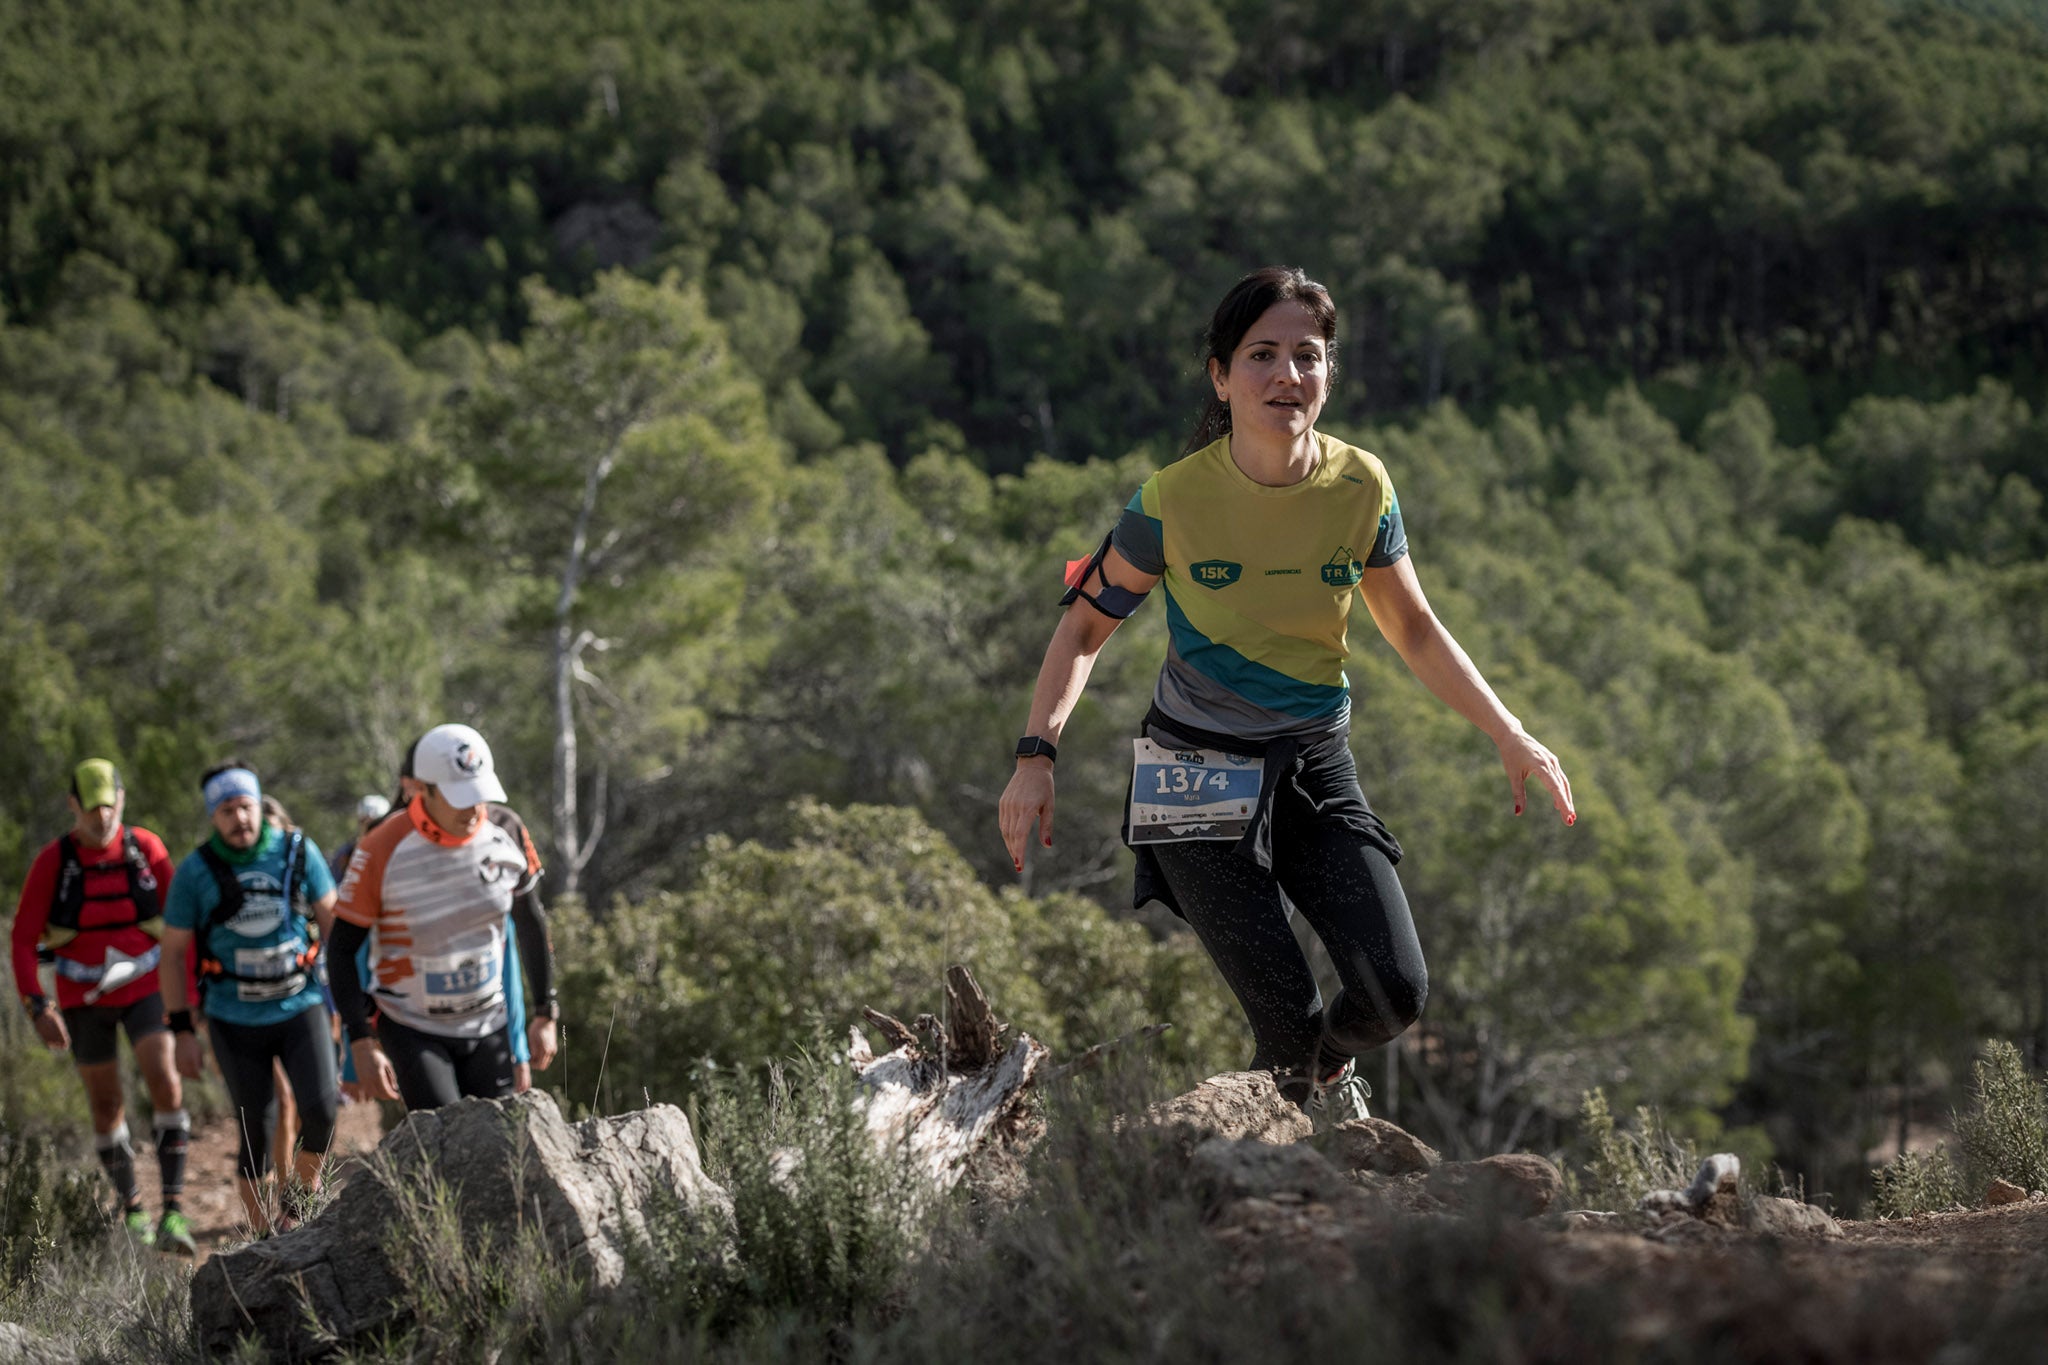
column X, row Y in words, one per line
column 265, row 938
column 245, row 902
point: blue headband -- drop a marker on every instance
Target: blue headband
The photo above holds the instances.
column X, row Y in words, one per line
column 228, row 785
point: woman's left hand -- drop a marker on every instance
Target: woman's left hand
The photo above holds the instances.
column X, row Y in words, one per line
column 540, row 1041
column 1521, row 755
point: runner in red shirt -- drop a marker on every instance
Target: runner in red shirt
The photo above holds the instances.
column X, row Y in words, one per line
column 95, row 898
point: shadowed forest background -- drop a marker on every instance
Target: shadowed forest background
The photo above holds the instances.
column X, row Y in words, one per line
column 702, row 401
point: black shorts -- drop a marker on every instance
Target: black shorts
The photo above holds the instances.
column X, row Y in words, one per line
column 92, row 1026
column 434, row 1070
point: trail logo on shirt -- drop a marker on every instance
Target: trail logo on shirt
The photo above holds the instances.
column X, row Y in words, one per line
column 1215, row 573
column 1343, row 570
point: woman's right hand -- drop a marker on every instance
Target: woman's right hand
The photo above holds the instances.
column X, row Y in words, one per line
column 1027, row 805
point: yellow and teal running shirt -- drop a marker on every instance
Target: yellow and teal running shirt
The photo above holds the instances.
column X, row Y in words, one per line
column 1259, row 584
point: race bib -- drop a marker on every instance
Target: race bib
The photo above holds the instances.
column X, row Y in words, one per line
column 459, row 984
column 1179, row 794
column 268, row 973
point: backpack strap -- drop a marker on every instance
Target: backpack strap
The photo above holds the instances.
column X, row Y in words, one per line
column 69, row 898
column 67, row 901
column 210, row 967
column 229, row 903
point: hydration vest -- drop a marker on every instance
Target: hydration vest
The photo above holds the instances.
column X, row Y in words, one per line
column 68, row 902
column 210, row 968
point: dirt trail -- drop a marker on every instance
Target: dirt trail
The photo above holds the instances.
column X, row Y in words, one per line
column 1962, row 1287
column 210, row 1199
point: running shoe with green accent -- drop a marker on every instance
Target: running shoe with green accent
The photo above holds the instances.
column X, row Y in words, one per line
column 136, row 1222
column 1338, row 1097
column 174, row 1234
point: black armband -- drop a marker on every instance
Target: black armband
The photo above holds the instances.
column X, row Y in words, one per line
column 1112, row 601
column 181, row 1021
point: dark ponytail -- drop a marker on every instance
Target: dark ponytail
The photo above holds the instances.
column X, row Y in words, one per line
column 1246, row 302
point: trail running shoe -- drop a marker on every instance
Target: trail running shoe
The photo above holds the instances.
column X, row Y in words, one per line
column 174, row 1234
column 1338, row 1097
column 136, row 1222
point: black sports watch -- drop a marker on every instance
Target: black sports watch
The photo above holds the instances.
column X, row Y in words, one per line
column 1031, row 746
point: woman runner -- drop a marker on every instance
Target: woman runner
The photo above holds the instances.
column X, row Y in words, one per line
column 1245, row 797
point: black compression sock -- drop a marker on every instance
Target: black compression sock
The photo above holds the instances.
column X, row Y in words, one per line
column 173, row 1140
column 117, row 1159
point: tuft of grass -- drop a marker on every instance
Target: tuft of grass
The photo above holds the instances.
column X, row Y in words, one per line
column 2004, row 1134
column 45, row 1208
column 821, row 1232
column 505, row 1300
column 1624, row 1164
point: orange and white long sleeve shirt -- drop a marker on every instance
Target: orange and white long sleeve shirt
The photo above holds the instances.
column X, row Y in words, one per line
column 437, row 906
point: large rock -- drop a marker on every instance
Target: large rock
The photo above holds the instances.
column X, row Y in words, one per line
column 1376, row 1146
column 1777, row 1217
column 589, row 1188
column 1518, row 1184
column 1241, row 1168
column 1236, row 1104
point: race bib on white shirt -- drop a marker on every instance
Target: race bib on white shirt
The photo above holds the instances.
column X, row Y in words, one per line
column 464, row 983
column 1181, row 794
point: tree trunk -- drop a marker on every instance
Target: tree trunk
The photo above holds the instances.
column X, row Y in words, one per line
column 564, row 803
column 572, row 846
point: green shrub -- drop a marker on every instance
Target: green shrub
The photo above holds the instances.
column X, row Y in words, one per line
column 822, row 1226
column 2004, row 1135
column 1624, row 1164
column 1916, row 1182
column 43, row 1207
column 770, row 946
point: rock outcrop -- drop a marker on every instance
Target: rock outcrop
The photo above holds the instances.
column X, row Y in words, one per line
column 1240, row 1105
column 1517, row 1185
column 508, row 1165
column 1377, row 1147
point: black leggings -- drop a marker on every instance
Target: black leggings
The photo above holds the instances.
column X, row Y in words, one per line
column 1343, row 884
column 245, row 1053
column 434, row 1070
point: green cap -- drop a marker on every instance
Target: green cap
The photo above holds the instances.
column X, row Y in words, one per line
column 95, row 783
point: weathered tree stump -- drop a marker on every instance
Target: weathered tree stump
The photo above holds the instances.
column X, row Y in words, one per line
column 945, row 1090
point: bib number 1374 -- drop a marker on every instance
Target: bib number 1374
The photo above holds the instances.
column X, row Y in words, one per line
column 1179, row 794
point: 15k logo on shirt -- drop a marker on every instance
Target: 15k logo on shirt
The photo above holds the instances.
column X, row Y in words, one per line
column 1215, row 573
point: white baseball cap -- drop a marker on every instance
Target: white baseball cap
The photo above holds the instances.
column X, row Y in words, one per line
column 375, row 806
column 455, row 759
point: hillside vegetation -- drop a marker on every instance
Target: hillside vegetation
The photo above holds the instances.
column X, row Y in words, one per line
column 722, row 388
